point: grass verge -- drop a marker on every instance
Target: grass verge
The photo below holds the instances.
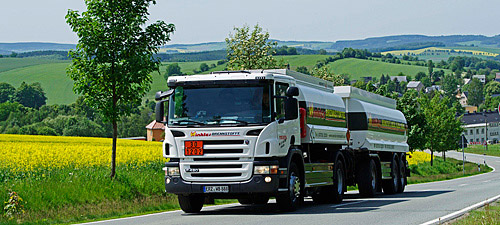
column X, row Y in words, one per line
column 443, row 170
column 489, row 214
column 493, row 150
column 81, row 195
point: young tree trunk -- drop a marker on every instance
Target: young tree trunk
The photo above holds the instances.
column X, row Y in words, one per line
column 113, row 151
column 432, row 156
column 444, row 156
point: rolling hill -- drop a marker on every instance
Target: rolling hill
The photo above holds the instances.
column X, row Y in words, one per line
column 358, row 68
column 58, row 87
column 373, row 44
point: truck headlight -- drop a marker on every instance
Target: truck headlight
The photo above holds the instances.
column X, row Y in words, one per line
column 266, row 169
column 172, row 171
column 261, row 170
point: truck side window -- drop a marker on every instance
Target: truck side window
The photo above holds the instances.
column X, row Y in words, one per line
column 280, row 90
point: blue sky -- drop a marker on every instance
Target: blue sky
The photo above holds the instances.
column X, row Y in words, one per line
column 211, row 20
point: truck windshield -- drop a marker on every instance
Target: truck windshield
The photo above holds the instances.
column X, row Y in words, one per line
column 220, row 106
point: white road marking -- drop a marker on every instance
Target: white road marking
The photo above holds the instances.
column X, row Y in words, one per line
column 461, row 212
column 486, row 181
column 463, row 185
column 349, row 203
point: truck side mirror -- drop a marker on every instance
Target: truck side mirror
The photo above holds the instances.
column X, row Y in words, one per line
column 291, row 109
column 292, row 91
column 160, row 111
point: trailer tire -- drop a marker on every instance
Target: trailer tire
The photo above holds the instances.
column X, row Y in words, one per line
column 402, row 173
column 191, row 203
column 333, row 193
column 368, row 179
column 391, row 186
column 291, row 199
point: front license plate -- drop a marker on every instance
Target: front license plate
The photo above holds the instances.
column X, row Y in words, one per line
column 216, row 189
column 193, row 148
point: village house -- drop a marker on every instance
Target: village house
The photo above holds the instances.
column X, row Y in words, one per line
column 415, row 85
column 481, row 78
column 155, row 131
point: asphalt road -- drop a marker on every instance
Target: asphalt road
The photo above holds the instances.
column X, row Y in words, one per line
column 420, row 203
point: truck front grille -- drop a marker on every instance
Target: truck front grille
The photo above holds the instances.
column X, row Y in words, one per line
column 217, row 175
column 213, row 171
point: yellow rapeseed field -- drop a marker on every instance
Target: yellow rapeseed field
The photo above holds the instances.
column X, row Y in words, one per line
column 23, row 153
column 418, row 157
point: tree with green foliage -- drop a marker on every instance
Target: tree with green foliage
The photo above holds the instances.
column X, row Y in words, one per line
column 370, row 86
column 443, row 128
column 360, row 84
column 430, row 68
column 491, row 88
column 204, row 67
column 114, row 57
column 172, row 70
column 449, row 84
column 250, row 49
column 490, row 103
column 31, row 95
column 415, row 119
column 419, row 76
column 475, row 89
column 326, row 74
column 7, row 92
column 302, row 69
column 426, row 81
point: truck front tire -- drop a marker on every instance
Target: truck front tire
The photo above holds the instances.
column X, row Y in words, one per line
column 291, row 199
column 191, row 203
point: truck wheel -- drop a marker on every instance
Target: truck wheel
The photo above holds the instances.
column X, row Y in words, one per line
column 335, row 192
column 391, row 186
column 191, row 203
column 368, row 179
column 294, row 197
column 402, row 173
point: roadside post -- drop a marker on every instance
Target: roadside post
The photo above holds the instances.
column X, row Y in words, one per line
column 464, row 141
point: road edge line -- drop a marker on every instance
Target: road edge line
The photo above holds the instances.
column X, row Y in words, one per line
column 461, row 212
column 152, row 214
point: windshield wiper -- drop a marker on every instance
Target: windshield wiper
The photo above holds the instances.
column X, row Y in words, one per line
column 189, row 121
column 235, row 120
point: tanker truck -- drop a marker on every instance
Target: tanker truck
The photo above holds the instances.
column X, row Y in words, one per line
column 255, row 134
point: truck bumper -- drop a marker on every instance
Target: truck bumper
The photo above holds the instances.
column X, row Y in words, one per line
column 256, row 184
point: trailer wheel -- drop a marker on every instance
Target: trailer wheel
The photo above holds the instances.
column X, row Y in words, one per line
column 335, row 192
column 191, row 203
column 391, row 186
column 294, row 197
column 402, row 173
column 368, row 179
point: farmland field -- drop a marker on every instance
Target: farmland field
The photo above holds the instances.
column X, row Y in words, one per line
column 58, row 87
column 358, row 68
column 65, row 179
